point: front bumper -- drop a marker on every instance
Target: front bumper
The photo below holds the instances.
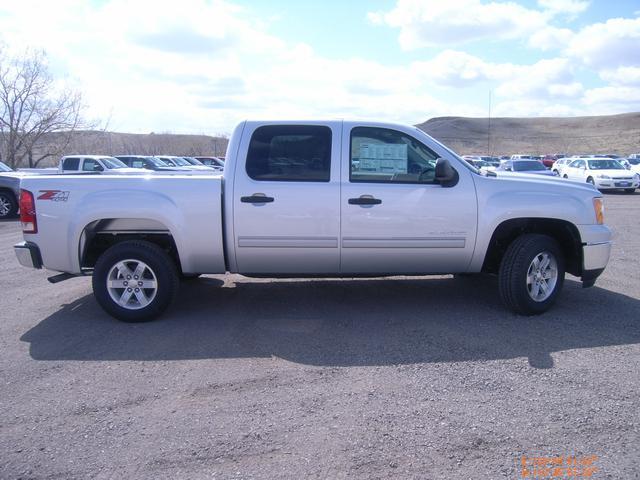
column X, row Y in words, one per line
column 28, row 254
column 610, row 184
column 596, row 249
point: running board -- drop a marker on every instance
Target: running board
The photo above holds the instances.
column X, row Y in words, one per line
column 61, row 277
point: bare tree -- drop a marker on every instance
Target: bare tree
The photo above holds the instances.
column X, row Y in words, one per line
column 37, row 119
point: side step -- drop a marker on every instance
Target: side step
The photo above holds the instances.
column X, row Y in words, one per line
column 61, row 277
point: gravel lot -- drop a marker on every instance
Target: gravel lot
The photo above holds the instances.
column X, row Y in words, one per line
column 243, row 378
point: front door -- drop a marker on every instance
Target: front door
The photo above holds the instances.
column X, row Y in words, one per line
column 395, row 217
column 286, row 206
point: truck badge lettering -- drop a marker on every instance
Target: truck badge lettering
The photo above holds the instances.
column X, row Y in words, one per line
column 53, row 195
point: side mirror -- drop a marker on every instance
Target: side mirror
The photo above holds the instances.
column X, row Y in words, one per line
column 446, row 175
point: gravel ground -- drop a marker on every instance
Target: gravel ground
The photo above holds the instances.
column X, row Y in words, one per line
column 401, row 378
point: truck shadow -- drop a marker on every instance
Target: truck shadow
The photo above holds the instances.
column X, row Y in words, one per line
column 343, row 323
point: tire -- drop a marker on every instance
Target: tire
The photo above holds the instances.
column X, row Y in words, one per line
column 590, row 180
column 140, row 262
column 629, row 190
column 8, row 205
column 518, row 272
column 565, row 176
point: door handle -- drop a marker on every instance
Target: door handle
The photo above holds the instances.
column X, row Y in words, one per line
column 365, row 200
column 257, row 198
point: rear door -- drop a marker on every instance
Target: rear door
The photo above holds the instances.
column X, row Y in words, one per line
column 395, row 217
column 286, row 199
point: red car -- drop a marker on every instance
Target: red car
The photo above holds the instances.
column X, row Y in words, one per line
column 549, row 160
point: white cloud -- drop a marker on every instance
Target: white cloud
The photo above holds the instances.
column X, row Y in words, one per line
column 424, row 23
column 622, row 76
column 628, row 96
column 607, row 45
column 571, row 7
column 202, row 66
column 550, row 38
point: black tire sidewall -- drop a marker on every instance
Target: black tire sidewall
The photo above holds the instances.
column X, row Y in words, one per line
column 162, row 266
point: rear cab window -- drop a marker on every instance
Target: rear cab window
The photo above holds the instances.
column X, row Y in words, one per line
column 71, row 163
column 290, row 153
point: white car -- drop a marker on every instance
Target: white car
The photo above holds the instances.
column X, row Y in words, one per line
column 560, row 164
column 603, row 173
column 634, row 164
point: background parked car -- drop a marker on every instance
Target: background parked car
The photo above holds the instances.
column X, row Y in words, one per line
column 560, row 164
column 148, row 163
column 603, row 173
column 9, row 191
column 175, row 161
column 212, row 161
column 196, row 162
column 95, row 163
column 525, row 166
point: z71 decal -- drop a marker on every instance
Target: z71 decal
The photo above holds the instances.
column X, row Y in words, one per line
column 53, row 195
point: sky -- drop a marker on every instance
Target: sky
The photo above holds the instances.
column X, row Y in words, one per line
column 202, row 66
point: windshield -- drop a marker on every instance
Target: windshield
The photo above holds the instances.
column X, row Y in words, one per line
column 605, row 165
column 180, row 161
column 4, row 168
column 193, row 161
column 525, row 165
column 112, row 163
column 157, row 162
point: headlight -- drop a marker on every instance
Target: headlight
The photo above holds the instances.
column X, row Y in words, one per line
column 604, row 177
column 598, row 208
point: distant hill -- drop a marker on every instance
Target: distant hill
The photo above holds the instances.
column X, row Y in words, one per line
column 618, row 134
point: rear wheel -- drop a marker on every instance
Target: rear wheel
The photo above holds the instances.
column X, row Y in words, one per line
column 135, row 281
column 531, row 274
column 8, row 205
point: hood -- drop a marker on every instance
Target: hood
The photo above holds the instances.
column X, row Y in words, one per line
column 546, row 181
column 612, row 173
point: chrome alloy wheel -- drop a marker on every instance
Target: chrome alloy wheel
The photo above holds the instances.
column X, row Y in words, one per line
column 5, row 206
column 542, row 276
column 132, row 284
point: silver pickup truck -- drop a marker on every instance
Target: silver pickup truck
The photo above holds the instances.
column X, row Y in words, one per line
column 315, row 198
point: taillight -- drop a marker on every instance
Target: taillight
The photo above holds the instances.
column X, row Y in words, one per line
column 28, row 212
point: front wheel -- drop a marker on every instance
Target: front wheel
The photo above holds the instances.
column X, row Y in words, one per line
column 531, row 274
column 629, row 190
column 135, row 281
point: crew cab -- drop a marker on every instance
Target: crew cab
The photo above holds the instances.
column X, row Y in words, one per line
column 315, row 198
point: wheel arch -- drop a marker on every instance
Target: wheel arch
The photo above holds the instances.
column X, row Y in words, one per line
column 100, row 235
column 564, row 232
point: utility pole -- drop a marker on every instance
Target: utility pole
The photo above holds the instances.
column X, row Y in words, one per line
column 489, row 128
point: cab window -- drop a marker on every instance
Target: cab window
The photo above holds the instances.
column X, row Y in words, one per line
column 91, row 165
column 382, row 155
column 290, row 153
column 71, row 163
